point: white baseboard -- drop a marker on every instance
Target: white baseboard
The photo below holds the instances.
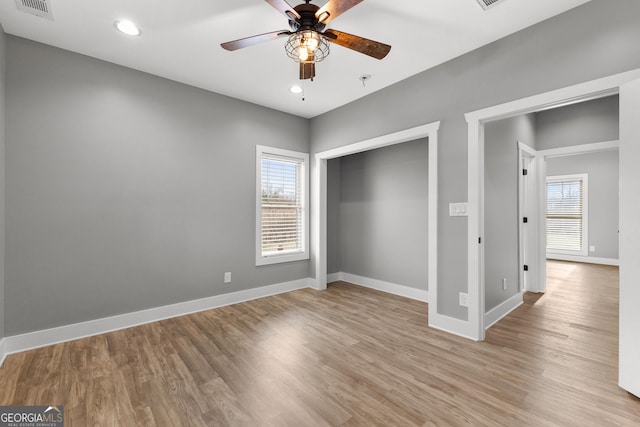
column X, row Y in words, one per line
column 495, row 314
column 441, row 322
column 585, row 259
column 451, row 325
column 380, row 285
column 333, row 277
column 31, row 340
column 3, row 351
column 313, row 284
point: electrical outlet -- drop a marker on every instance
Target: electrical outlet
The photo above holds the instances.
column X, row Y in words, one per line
column 227, row 277
column 504, row 284
column 592, row 248
column 464, row 299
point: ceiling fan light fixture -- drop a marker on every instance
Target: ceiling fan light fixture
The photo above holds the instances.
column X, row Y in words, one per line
column 307, row 41
column 307, row 46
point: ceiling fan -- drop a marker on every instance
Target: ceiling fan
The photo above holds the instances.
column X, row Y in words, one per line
column 307, row 40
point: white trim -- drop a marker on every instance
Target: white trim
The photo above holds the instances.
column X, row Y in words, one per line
column 529, row 150
column 580, row 149
column 580, row 92
column 494, row 315
column 541, row 206
column 529, row 233
column 319, row 208
column 475, row 168
column 334, row 277
column 584, row 259
column 452, row 325
column 475, row 229
column 3, row 350
column 406, row 135
column 31, row 340
column 433, row 203
column 380, row 285
column 629, row 313
column 313, row 284
column 261, row 150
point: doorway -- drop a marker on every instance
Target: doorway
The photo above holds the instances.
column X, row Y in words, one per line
column 628, row 86
column 476, row 120
column 377, row 219
column 515, row 218
column 319, row 204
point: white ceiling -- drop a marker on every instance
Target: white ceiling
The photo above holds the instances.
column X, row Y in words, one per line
column 181, row 41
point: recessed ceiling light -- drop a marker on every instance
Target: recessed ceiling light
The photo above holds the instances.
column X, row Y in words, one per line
column 127, row 27
column 295, row 89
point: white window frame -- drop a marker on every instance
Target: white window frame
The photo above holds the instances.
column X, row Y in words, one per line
column 585, row 212
column 261, row 151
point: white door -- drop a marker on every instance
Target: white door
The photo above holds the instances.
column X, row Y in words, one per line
column 629, row 369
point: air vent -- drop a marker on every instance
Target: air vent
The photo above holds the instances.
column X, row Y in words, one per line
column 486, row 4
column 41, row 8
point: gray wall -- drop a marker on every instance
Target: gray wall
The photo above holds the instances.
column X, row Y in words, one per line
column 126, row 191
column 501, row 205
column 383, row 214
column 592, row 41
column 583, row 123
column 603, row 200
column 2, row 172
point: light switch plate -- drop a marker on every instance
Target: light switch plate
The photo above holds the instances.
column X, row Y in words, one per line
column 458, row 209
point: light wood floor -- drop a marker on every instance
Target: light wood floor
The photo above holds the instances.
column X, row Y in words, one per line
column 347, row 356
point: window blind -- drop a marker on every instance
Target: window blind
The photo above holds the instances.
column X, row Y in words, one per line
column 282, row 205
column 565, row 212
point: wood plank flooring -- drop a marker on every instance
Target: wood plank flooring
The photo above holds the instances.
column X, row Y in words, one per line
column 347, row 356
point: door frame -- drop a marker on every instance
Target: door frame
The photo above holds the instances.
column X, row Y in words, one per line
column 476, row 120
column 319, row 202
column 629, row 243
column 537, row 254
column 528, row 232
column 542, row 157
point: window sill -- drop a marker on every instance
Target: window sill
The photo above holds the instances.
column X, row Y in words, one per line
column 277, row 259
column 560, row 252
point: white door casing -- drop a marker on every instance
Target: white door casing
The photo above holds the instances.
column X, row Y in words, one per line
column 475, row 172
column 319, row 206
column 629, row 351
column 527, row 208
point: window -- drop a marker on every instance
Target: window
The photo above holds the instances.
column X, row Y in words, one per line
column 282, row 201
column 567, row 214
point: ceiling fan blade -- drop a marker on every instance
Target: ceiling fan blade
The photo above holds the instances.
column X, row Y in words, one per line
column 285, row 8
column 334, row 8
column 253, row 40
column 359, row 44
